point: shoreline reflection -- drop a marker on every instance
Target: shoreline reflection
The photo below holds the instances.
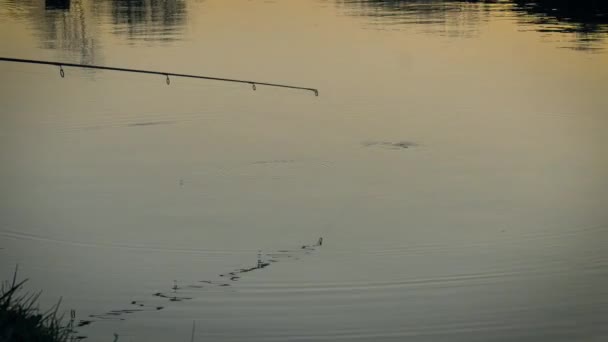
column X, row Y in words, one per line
column 584, row 23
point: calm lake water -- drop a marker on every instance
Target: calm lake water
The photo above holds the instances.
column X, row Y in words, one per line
column 454, row 163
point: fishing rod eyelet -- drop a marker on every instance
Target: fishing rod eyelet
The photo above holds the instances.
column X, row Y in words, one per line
column 316, row 92
column 253, row 86
column 168, row 80
column 61, row 72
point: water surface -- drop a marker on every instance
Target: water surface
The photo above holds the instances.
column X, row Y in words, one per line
column 455, row 165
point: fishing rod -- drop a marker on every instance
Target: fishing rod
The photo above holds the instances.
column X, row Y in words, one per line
column 162, row 73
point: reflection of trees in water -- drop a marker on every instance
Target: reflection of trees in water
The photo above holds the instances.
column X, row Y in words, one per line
column 149, row 19
column 449, row 18
column 72, row 27
column 57, row 4
column 587, row 20
column 589, row 15
column 61, row 25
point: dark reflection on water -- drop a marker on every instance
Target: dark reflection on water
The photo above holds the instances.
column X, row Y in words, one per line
column 589, row 15
column 149, row 19
column 73, row 27
column 61, row 25
column 586, row 20
column 57, row 4
column 449, row 18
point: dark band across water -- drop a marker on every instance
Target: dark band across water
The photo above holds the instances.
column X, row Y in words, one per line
column 152, row 72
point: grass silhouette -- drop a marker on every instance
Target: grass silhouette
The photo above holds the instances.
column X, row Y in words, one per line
column 22, row 321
